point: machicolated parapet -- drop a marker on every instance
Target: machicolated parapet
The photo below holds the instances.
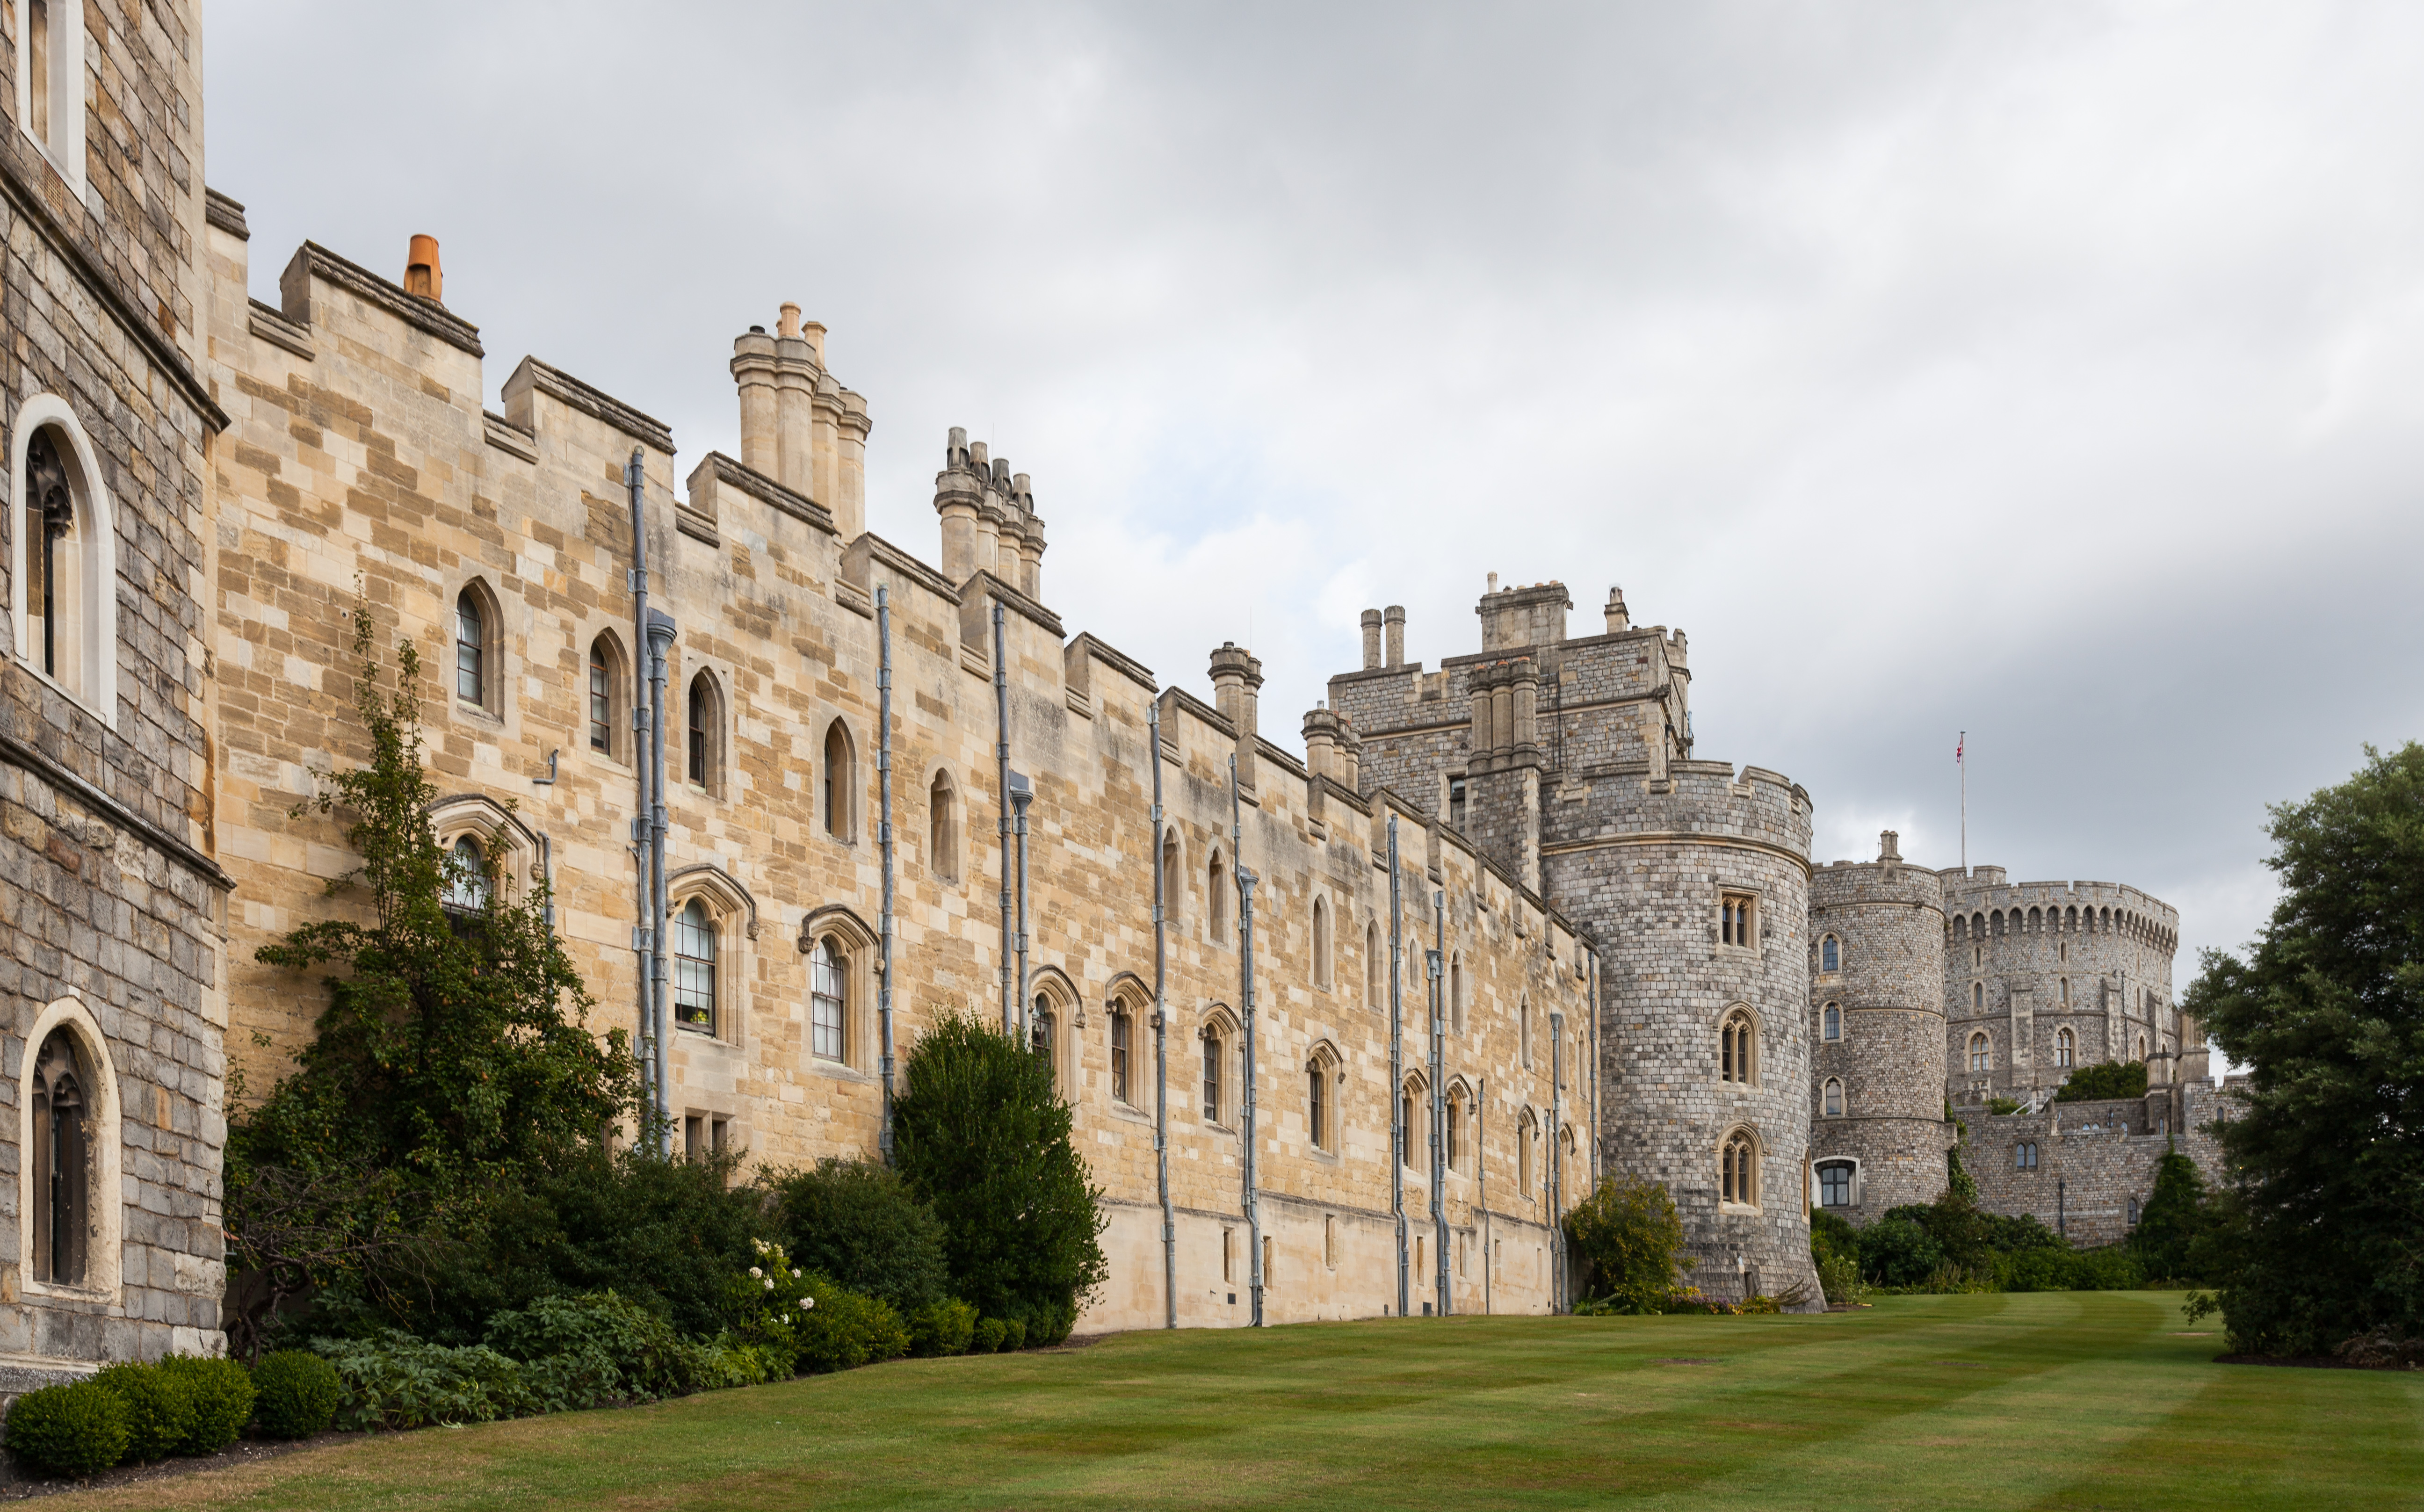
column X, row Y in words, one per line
column 2042, row 977
column 1877, row 1132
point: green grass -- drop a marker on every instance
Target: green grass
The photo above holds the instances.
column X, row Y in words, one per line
column 2096, row 1399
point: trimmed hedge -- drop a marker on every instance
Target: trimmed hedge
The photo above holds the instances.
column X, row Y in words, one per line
column 947, row 1327
column 71, row 1430
column 159, row 1408
column 295, row 1393
column 222, row 1393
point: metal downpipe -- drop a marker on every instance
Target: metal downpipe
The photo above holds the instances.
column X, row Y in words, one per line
column 660, row 638
column 884, row 839
column 1439, row 1099
column 1398, row 1131
column 1556, row 1162
column 1002, row 794
column 1246, row 1010
column 642, row 853
column 1160, row 1033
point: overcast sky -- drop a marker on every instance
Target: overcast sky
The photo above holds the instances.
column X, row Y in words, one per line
column 2050, row 372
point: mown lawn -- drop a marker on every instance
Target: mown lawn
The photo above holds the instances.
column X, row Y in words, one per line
column 2046, row 1400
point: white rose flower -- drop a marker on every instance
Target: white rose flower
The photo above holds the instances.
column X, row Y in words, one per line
column 807, row 1302
column 770, row 1283
column 755, row 1271
column 795, row 1272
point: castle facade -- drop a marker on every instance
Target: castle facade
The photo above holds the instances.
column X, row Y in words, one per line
column 1344, row 1034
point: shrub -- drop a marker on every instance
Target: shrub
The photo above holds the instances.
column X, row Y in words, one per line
column 857, row 1222
column 1829, row 1234
column 988, row 1336
column 222, row 1392
column 982, row 1135
column 295, row 1393
column 582, row 1351
column 1629, row 1232
column 1896, row 1251
column 159, row 1408
column 1839, row 1276
column 944, row 1326
column 398, row 1381
column 2111, row 1269
column 2033, row 1270
column 1013, row 1335
column 71, row 1430
column 2172, row 1220
column 2107, row 1079
column 846, row 1329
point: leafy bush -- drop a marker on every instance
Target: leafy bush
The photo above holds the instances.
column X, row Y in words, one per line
column 724, row 1362
column 398, row 1381
column 846, row 1329
column 585, row 1352
column 2104, row 1080
column 944, row 1326
column 159, row 1407
column 857, row 1222
column 770, row 1306
column 1633, row 1238
column 1013, row 1336
column 2003, row 1107
column 222, row 1392
column 1896, row 1251
column 980, row 1135
column 1829, row 1234
column 988, row 1336
column 2111, row 1269
column 71, row 1429
column 295, row 1393
column 1839, row 1276
column 2033, row 1270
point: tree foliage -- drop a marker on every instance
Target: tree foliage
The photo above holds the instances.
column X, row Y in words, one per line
column 452, row 1057
column 2105, row 1079
column 2172, row 1220
column 857, row 1222
column 2323, row 1235
column 1629, row 1232
column 980, row 1134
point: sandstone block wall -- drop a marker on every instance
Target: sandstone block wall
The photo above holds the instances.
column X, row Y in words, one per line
column 107, row 880
column 361, row 451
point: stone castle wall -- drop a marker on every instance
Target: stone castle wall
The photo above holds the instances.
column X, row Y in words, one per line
column 361, row 451
column 112, row 897
column 2094, row 1163
column 1885, row 1063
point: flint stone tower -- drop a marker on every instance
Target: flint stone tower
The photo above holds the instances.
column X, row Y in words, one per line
column 1878, row 1135
column 1568, row 762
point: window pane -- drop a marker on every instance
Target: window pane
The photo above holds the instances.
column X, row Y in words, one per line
column 601, row 735
column 694, row 967
column 827, row 984
column 469, row 627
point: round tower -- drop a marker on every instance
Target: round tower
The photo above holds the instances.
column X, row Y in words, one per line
column 1877, row 1135
column 2042, row 977
column 1696, row 883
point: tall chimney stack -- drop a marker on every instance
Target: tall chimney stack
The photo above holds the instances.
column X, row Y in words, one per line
column 1395, row 618
column 1371, row 639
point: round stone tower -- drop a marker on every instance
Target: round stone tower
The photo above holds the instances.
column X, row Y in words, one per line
column 2043, row 977
column 1877, row 1135
column 1697, row 886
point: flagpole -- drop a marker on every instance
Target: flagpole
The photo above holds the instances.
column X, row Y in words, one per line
column 1961, row 759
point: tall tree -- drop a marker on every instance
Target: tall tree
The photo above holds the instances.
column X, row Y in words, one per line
column 980, row 1134
column 2322, row 1234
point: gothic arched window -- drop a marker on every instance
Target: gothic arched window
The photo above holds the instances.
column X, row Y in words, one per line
column 1738, row 1049
column 828, row 1001
column 1832, row 1026
column 1738, row 1169
column 694, row 967
column 62, row 1189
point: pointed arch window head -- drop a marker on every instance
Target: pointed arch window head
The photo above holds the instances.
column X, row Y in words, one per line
column 1212, row 1078
column 62, row 554
column 2065, row 1048
column 828, row 1000
column 472, row 633
column 1320, row 1117
column 1982, row 1052
column 694, row 967
column 1173, row 878
column 1376, row 989
column 943, row 829
column 1523, row 1032
column 1455, row 1131
column 609, row 695
column 1834, row 1099
column 1412, row 1105
column 841, row 784
column 1456, row 993
column 1738, row 1049
column 1977, row 998
column 1527, row 1135
column 1738, row 1169
column 62, row 1155
column 1830, row 955
column 1832, row 1024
